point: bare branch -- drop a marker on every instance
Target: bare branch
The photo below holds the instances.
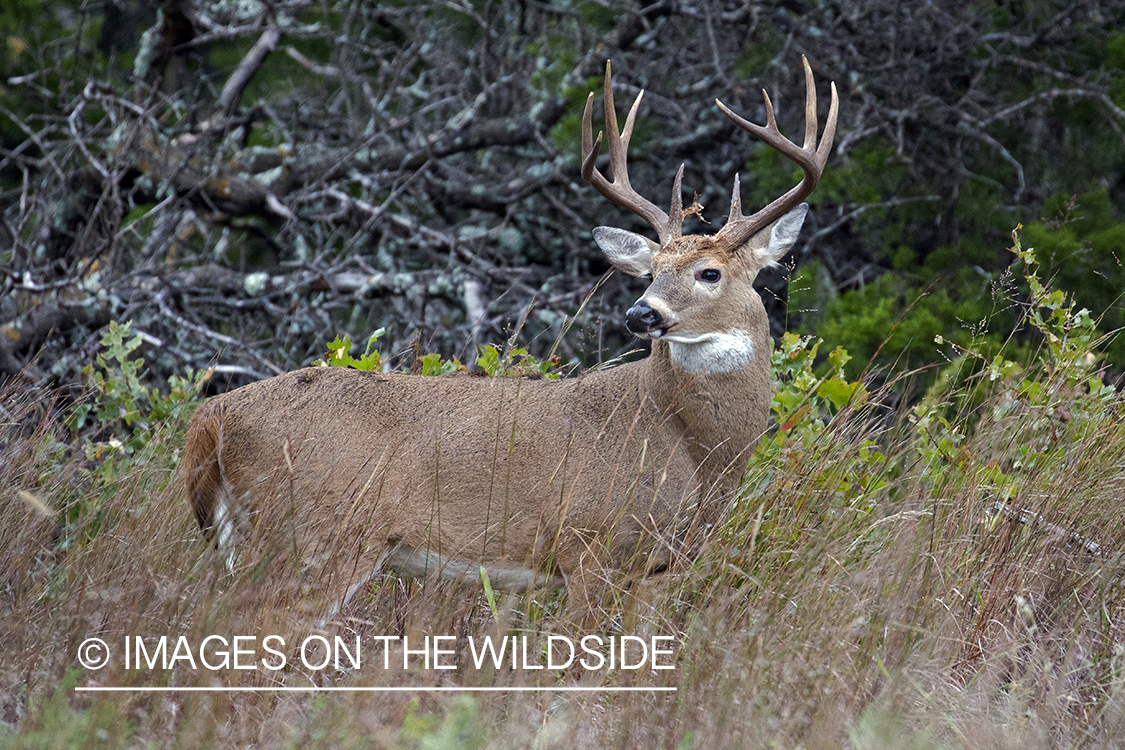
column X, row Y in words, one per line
column 236, row 84
column 1045, row 96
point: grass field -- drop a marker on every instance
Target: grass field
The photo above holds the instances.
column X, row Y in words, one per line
column 943, row 575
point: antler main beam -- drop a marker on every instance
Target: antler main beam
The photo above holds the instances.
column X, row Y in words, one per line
column 810, row 157
column 620, row 192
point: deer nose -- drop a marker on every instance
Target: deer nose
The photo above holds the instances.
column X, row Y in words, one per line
column 641, row 318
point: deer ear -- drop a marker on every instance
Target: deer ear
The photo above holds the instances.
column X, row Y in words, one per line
column 627, row 251
column 783, row 234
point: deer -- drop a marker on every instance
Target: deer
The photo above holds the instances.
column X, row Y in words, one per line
column 537, row 482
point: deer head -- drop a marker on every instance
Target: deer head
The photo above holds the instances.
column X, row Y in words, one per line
column 701, row 300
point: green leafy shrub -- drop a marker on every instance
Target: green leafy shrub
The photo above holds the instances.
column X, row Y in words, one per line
column 121, row 404
column 492, row 361
column 516, row 362
column 54, row 723
column 1042, row 404
column 122, row 423
column 460, row 729
column 339, row 354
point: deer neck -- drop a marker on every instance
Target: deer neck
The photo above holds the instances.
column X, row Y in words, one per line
column 713, row 353
column 740, row 362
column 723, row 412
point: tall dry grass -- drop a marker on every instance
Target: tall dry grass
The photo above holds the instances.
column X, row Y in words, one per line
column 944, row 576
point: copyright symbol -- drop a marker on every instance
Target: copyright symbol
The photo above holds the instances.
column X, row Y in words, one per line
column 93, row 653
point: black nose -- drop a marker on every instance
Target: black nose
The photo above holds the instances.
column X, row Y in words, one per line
column 641, row 318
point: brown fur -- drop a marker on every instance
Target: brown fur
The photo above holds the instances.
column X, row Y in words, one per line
column 603, row 470
column 201, row 465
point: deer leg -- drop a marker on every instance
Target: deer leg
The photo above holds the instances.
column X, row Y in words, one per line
column 581, row 559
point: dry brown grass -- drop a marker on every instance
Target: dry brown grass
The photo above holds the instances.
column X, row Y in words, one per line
column 853, row 600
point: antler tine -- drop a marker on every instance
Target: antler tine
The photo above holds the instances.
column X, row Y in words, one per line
column 811, row 158
column 825, row 147
column 613, row 135
column 735, row 202
column 627, row 131
column 810, row 107
column 620, row 192
column 676, row 214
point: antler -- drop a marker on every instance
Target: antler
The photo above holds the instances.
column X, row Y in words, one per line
column 620, row 192
column 811, row 158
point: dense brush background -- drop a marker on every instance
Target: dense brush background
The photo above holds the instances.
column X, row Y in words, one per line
column 927, row 551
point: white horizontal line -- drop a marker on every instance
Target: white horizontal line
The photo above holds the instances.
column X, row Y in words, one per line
column 335, row 689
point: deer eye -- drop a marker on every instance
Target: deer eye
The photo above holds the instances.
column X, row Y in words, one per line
column 710, row 275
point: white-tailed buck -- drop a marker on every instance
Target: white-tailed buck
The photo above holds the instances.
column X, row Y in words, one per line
column 533, row 479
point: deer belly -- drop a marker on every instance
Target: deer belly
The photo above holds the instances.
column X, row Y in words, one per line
column 420, row 563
